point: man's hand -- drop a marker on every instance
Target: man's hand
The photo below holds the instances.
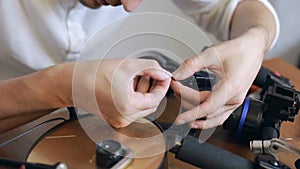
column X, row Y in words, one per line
column 123, row 89
column 236, row 63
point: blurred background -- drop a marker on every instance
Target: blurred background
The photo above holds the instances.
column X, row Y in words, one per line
column 288, row 45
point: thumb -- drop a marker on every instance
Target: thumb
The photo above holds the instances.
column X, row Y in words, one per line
column 194, row 64
column 184, row 71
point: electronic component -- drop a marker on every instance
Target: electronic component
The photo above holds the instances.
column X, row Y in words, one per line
column 112, row 154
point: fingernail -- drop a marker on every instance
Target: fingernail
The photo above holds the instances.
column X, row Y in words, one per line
column 180, row 122
column 166, row 74
column 195, row 126
column 176, row 74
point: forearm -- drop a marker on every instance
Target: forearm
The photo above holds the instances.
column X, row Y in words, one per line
column 253, row 14
column 42, row 91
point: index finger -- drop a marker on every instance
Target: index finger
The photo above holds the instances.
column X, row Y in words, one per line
column 194, row 64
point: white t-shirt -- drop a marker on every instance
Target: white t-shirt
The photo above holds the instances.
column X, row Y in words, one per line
column 40, row 33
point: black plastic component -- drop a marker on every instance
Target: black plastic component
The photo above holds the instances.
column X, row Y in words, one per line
column 108, row 153
column 261, row 119
column 207, row 156
column 269, row 161
column 297, row 164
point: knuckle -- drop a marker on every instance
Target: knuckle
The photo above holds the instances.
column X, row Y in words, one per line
column 235, row 86
column 117, row 120
column 154, row 105
column 190, row 62
column 146, row 104
column 239, row 101
column 207, row 108
column 153, row 110
column 224, row 117
column 120, row 124
column 210, row 51
column 237, row 93
column 221, row 122
column 153, row 63
column 124, row 109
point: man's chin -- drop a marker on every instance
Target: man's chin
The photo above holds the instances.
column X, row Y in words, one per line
column 103, row 2
column 94, row 4
column 112, row 2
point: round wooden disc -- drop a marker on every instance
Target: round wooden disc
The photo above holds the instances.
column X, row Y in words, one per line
column 70, row 144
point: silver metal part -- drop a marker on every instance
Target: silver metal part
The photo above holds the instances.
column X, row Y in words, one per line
column 62, row 166
column 272, row 147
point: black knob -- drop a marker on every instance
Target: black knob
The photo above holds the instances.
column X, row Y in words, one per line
column 108, row 153
column 297, row 163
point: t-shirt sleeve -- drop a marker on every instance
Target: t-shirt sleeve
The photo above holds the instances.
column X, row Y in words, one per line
column 215, row 15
